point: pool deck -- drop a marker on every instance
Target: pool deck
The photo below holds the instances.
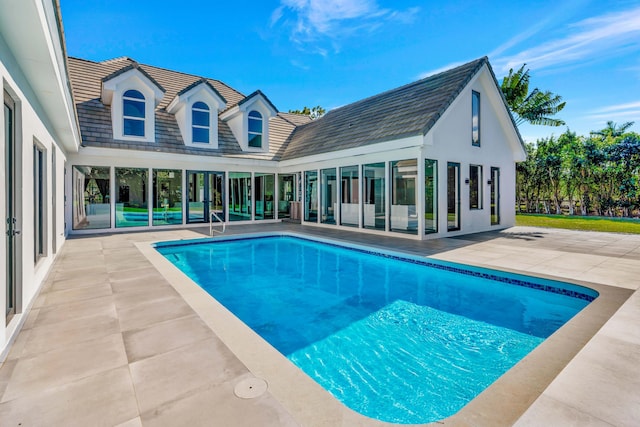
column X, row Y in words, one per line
column 116, row 339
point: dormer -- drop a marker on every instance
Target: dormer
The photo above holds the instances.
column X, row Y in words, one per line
column 196, row 109
column 249, row 121
column 133, row 95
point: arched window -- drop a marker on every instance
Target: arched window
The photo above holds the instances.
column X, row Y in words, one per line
column 200, row 122
column 255, row 129
column 133, row 106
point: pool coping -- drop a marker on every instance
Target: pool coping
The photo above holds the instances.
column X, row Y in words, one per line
column 502, row 403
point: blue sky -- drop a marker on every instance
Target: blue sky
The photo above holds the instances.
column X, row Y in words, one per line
column 333, row 52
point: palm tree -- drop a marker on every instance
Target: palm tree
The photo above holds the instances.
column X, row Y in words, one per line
column 612, row 130
column 534, row 107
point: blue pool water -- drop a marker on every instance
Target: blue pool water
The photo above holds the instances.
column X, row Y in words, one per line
column 399, row 340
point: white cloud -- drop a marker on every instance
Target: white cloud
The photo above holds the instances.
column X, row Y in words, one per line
column 603, row 35
column 317, row 20
column 618, row 107
column 629, row 111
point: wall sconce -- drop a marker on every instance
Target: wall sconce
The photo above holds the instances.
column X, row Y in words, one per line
column 466, row 180
column 489, row 182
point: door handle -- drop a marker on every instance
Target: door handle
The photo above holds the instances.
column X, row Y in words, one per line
column 14, row 232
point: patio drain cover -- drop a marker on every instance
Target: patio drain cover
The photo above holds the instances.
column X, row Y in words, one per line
column 250, row 388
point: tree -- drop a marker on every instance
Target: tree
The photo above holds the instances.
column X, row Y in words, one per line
column 535, row 107
column 315, row 112
column 612, row 130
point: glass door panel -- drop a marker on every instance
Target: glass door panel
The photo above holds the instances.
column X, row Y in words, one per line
column 311, row 196
column 373, row 207
column 216, row 196
column 430, row 196
column 495, row 196
column 206, row 195
column 350, row 201
column 453, row 196
column 167, row 197
column 404, row 217
column 286, row 194
column 328, row 196
column 132, row 206
column 240, row 196
column 264, row 187
column 196, row 206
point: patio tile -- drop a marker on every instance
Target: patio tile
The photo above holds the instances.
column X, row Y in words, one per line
column 134, row 422
column 195, row 410
column 105, row 399
column 6, row 370
column 31, row 319
column 79, row 278
column 144, row 271
column 152, row 312
column 165, row 336
column 549, row 412
column 75, row 310
column 18, row 345
column 612, row 365
column 61, row 334
column 64, row 365
column 78, row 294
column 166, row 377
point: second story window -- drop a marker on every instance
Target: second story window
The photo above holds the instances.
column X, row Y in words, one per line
column 133, row 106
column 255, row 129
column 475, row 118
column 200, row 122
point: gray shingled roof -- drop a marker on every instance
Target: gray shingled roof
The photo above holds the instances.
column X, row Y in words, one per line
column 409, row 110
column 133, row 66
column 256, row 93
column 95, row 117
column 199, row 82
column 405, row 111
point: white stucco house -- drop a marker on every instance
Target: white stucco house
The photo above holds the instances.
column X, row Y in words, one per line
column 116, row 146
column 40, row 131
column 162, row 148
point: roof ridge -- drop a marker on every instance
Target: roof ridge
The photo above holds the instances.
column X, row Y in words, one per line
column 186, row 74
column 119, row 58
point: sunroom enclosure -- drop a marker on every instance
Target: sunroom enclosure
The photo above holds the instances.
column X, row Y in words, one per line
column 407, row 196
column 153, row 197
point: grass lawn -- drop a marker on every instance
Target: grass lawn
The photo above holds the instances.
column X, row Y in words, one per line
column 589, row 223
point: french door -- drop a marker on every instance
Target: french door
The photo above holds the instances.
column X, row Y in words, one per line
column 206, row 196
column 12, row 259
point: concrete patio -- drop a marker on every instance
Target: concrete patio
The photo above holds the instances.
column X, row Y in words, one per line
column 113, row 340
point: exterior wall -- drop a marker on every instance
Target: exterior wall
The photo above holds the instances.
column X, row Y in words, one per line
column 32, row 126
column 450, row 141
column 91, row 156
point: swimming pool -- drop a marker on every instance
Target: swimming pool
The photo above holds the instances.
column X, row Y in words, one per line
column 395, row 337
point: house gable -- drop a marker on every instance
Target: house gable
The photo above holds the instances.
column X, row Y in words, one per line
column 250, row 118
column 202, row 101
column 132, row 86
